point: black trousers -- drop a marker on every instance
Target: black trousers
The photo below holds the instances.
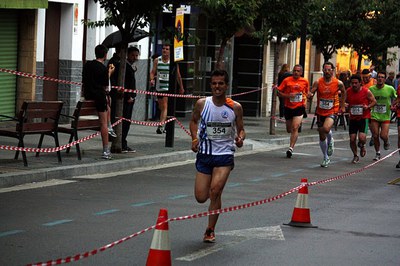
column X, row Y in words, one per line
column 126, row 113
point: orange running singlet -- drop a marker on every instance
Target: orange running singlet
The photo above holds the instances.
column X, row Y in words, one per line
column 327, row 97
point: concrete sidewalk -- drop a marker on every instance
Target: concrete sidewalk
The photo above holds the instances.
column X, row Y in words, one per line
column 150, row 151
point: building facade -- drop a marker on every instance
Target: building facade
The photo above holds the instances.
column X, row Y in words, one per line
column 48, row 38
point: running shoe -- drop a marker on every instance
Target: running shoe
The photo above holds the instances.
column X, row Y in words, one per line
column 356, row 159
column 289, row 153
column 111, row 132
column 330, row 148
column 386, row 145
column 209, row 235
column 106, row 155
column 377, row 157
column 128, row 150
column 159, row 130
column 325, row 162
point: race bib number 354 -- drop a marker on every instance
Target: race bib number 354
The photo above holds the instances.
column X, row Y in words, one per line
column 219, row 130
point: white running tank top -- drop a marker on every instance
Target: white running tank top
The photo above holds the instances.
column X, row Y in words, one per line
column 162, row 83
column 217, row 128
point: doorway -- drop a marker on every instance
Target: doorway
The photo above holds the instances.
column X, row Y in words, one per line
column 51, row 51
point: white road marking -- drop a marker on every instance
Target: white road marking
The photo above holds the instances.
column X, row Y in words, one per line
column 270, row 232
column 135, row 170
column 304, row 154
column 342, row 149
column 48, row 183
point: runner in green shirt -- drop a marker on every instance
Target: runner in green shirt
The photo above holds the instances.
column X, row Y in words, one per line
column 380, row 114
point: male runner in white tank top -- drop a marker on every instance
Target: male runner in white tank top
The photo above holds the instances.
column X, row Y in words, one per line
column 216, row 127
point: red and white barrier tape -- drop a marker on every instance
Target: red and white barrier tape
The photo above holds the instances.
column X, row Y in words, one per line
column 28, row 75
column 63, row 147
column 205, row 214
column 119, row 88
column 352, row 172
column 154, row 124
column 55, row 149
column 181, row 218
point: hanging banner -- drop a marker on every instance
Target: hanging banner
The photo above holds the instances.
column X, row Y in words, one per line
column 178, row 38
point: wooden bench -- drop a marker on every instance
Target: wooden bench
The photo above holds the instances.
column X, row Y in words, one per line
column 85, row 117
column 35, row 118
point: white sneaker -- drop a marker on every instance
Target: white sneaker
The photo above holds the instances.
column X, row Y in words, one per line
column 111, row 132
column 106, row 155
column 325, row 162
column 377, row 157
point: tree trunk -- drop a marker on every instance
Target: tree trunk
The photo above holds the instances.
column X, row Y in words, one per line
column 384, row 60
column 275, row 82
column 327, row 56
column 116, row 146
column 220, row 60
column 359, row 61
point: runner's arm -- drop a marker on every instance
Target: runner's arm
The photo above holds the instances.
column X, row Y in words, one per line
column 153, row 72
column 241, row 134
column 372, row 100
column 313, row 89
column 194, row 121
column 342, row 97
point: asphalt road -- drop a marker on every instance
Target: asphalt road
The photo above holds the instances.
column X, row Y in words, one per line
column 357, row 216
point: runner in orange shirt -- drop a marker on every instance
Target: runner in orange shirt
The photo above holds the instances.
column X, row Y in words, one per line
column 294, row 90
column 327, row 89
column 368, row 81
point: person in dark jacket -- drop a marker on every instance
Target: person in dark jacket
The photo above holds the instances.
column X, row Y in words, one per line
column 129, row 97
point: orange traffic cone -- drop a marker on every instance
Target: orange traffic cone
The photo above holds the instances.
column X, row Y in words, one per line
column 301, row 213
column 160, row 250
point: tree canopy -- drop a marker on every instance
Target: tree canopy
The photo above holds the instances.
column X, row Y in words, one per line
column 228, row 17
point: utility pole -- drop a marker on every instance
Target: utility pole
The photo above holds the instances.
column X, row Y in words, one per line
column 170, row 126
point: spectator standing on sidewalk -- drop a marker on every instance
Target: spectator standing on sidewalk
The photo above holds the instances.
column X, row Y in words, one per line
column 359, row 102
column 380, row 114
column 390, row 79
column 294, row 90
column 396, row 81
column 328, row 106
column 283, row 73
column 216, row 127
column 128, row 97
column 95, row 76
column 159, row 77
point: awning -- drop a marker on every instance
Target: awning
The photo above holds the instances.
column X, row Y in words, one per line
column 26, row 4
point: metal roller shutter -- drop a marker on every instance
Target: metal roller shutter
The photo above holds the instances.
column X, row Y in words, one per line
column 8, row 60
